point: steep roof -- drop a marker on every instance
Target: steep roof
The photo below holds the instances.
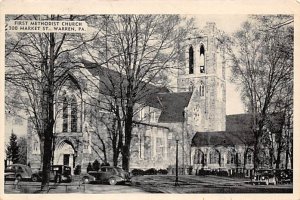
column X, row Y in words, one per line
column 172, row 105
column 238, row 131
column 112, row 81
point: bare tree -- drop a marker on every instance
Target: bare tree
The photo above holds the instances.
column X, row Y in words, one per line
column 262, row 64
column 36, row 64
column 138, row 48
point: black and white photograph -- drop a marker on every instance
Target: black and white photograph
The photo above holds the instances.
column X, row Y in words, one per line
column 148, row 103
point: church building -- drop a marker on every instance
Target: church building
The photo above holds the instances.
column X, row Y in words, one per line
column 195, row 115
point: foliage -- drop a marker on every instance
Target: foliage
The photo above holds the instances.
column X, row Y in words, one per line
column 139, row 49
column 137, row 172
column 162, row 171
column 12, row 149
column 89, row 167
column 261, row 55
column 151, row 171
column 36, row 66
column 96, row 165
column 22, row 143
column 77, row 170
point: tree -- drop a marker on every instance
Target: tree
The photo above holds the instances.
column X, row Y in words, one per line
column 96, row 165
column 36, row 66
column 139, row 48
column 261, row 55
column 12, row 149
column 22, row 143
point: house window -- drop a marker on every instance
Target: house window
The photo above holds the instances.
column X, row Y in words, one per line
column 202, row 59
column 73, row 115
column 65, row 115
column 214, row 157
column 191, row 60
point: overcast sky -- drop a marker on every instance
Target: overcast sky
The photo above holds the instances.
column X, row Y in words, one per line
column 227, row 23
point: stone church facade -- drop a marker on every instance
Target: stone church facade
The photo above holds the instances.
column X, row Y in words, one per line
column 195, row 113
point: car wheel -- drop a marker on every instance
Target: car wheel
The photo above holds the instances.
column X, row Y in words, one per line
column 267, row 182
column 112, row 181
column 34, row 179
column 85, row 180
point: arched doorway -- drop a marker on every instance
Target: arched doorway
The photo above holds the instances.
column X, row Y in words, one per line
column 64, row 154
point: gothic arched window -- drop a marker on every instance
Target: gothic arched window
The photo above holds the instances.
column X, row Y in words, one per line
column 198, row 157
column 249, row 157
column 191, row 87
column 201, row 89
column 231, row 157
column 191, row 60
column 214, row 157
column 202, row 59
column 65, row 115
column 73, row 114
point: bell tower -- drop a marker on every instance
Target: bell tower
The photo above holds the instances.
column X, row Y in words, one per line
column 204, row 75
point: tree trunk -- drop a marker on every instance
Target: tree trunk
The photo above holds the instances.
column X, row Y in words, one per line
column 128, row 135
column 48, row 116
column 46, row 163
column 277, row 162
column 255, row 154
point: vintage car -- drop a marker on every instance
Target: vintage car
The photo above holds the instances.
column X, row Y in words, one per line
column 264, row 176
column 17, row 171
column 58, row 173
column 107, row 174
column 284, row 176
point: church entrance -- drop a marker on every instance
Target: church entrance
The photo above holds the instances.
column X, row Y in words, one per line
column 64, row 154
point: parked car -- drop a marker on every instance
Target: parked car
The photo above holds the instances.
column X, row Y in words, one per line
column 107, row 174
column 17, row 171
column 58, row 174
column 284, row 176
column 264, row 176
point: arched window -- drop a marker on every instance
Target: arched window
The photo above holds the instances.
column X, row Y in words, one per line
column 201, row 89
column 214, row 157
column 249, row 157
column 65, row 115
column 191, row 87
column 73, row 114
column 231, row 157
column 191, row 60
column 198, row 157
column 202, row 59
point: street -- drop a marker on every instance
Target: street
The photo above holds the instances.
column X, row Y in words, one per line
column 158, row 184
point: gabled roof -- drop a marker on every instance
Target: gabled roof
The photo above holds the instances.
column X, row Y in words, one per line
column 112, row 81
column 172, row 105
column 238, row 131
column 223, row 138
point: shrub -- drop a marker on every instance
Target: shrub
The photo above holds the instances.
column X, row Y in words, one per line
column 96, row 165
column 89, row 167
column 77, row 170
column 151, row 171
column 162, row 171
column 137, row 172
column 105, row 164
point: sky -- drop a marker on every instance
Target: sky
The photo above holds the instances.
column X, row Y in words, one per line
column 234, row 105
